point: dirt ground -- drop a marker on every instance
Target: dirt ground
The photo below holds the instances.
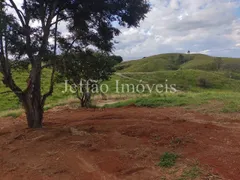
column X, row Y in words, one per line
column 124, row 143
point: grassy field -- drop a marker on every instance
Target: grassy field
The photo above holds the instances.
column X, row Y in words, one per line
column 195, row 79
column 228, row 101
column 10, row 102
column 186, row 79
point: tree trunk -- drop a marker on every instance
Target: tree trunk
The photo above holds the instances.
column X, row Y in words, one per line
column 82, row 102
column 86, row 100
column 32, row 100
column 34, row 112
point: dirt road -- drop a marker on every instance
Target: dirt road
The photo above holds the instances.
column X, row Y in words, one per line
column 123, row 143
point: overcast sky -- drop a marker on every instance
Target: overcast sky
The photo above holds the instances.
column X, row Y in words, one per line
column 202, row 26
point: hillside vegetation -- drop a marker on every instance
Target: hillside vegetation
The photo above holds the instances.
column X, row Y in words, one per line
column 190, row 80
column 191, row 72
column 195, row 72
column 173, row 62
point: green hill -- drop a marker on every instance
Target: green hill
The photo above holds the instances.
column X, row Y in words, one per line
column 173, row 62
column 149, row 64
column 190, row 72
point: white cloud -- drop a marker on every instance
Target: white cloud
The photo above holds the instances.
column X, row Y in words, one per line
column 205, row 26
column 205, row 51
column 174, row 4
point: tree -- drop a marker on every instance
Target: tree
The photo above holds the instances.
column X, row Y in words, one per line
column 118, row 59
column 218, row 62
column 174, row 62
column 84, row 71
column 181, row 59
column 89, row 23
column 203, row 82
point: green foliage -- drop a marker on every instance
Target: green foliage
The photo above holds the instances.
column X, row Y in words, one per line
column 218, row 62
column 231, row 100
column 95, row 26
column 168, row 160
column 86, row 65
column 11, row 38
column 191, row 174
column 84, row 70
column 154, row 101
column 122, row 66
column 175, row 61
column 231, row 67
column 231, row 107
column 20, row 65
column 185, row 80
column 118, row 59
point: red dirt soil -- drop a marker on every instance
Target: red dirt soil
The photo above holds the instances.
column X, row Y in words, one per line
column 123, row 143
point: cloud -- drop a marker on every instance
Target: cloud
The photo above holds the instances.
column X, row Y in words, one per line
column 205, row 26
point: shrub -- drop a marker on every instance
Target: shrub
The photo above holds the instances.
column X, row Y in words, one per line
column 203, row 82
column 168, row 160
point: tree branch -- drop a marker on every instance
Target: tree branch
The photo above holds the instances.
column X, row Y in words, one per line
column 46, row 29
column 9, row 5
column 7, row 77
column 6, row 69
column 49, row 93
column 59, row 20
column 19, row 13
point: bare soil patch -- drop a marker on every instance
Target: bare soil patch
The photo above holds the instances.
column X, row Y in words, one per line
column 123, row 143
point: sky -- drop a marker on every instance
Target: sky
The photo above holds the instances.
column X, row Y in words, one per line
column 202, row 26
column 209, row 27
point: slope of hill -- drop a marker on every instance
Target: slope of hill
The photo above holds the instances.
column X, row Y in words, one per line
column 149, row 64
column 185, row 80
column 209, row 63
column 180, row 61
column 199, row 61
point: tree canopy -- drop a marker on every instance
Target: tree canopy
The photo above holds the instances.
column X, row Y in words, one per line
column 84, row 71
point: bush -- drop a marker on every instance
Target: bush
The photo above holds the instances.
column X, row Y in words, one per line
column 232, row 67
column 203, row 82
column 168, row 160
